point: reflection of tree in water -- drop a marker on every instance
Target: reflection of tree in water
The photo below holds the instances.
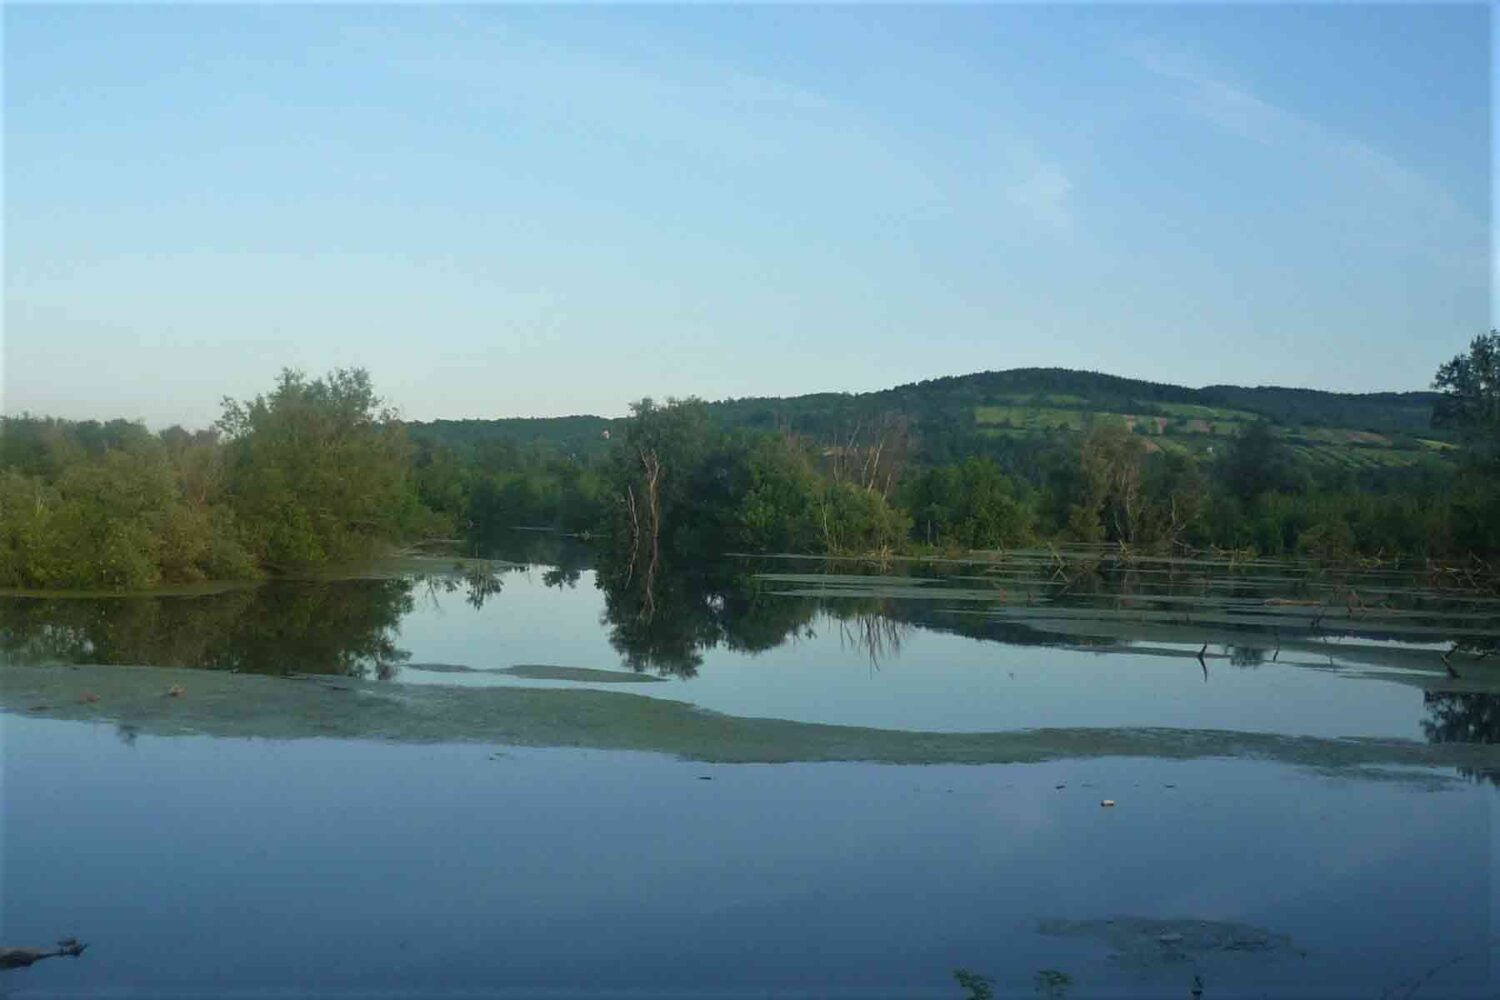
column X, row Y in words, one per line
column 344, row 627
column 1464, row 717
column 1461, row 717
column 479, row 581
column 563, row 556
column 1246, row 656
column 340, row 627
column 687, row 612
column 875, row 632
column 690, row 612
column 560, row 577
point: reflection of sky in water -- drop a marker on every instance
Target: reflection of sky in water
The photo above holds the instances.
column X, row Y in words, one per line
column 937, row 681
column 194, row 864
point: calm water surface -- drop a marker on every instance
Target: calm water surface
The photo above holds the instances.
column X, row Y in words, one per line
column 1350, row 852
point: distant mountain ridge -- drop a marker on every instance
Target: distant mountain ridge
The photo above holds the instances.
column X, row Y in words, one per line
column 1410, row 412
column 962, row 414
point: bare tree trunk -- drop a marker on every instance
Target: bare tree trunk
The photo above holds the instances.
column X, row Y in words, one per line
column 635, row 531
column 651, row 466
column 872, row 465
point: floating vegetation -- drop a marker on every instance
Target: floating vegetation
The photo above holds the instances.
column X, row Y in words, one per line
column 976, row 986
column 1141, row 943
column 1053, row 984
column 1089, row 590
column 248, row 705
column 541, row 672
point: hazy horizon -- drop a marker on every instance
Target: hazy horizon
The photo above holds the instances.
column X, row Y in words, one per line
column 517, row 211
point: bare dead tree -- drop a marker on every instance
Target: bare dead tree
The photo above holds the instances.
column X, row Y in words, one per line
column 651, row 468
column 873, row 456
column 634, row 514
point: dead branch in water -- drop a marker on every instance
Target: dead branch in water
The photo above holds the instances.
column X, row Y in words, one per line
column 20, row 958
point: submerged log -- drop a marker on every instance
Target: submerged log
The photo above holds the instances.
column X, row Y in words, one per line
column 20, row 958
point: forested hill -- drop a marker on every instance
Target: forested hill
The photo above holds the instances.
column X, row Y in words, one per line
column 990, row 411
column 1061, row 388
column 322, row 471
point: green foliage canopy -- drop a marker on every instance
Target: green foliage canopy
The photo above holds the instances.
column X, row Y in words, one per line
column 1470, row 401
column 129, row 512
column 319, row 469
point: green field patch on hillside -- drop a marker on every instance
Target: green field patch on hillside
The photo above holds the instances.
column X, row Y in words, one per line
column 1200, row 431
column 1394, row 458
column 1213, row 413
column 1176, row 447
column 1345, row 436
column 1210, row 428
column 1147, row 423
column 1034, row 417
column 1352, row 457
column 1043, row 399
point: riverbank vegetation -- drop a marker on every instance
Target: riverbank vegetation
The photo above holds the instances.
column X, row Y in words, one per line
column 315, row 471
column 682, row 483
column 321, row 471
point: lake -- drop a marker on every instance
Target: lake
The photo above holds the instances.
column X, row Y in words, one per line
column 536, row 775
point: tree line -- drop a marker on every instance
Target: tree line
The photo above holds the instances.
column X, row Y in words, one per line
column 681, row 485
column 313, row 472
column 321, row 471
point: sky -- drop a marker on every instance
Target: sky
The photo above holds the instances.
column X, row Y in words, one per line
column 544, row 210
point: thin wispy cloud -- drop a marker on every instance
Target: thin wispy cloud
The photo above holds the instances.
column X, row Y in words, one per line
column 726, row 122
column 1227, row 105
column 719, row 120
column 686, row 201
column 1374, row 193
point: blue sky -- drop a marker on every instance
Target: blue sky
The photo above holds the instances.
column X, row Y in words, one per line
column 547, row 210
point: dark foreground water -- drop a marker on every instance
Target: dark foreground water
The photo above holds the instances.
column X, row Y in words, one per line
column 789, row 778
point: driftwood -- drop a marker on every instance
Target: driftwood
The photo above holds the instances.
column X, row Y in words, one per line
column 20, row 958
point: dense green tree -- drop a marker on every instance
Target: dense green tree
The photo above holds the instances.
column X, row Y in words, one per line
column 652, row 471
column 1470, row 401
column 319, row 469
column 973, row 505
column 444, row 482
column 1255, row 463
column 1175, row 498
column 1470, row 405
column 1064, row 504
column 130, row 515
column 780, row 511
column 856, row 519
column 1113, row 463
